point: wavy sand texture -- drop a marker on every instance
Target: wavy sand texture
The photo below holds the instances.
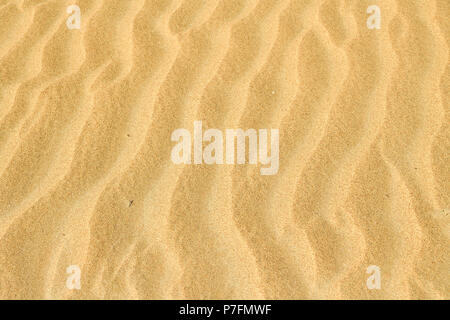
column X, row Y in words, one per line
column 86, row 177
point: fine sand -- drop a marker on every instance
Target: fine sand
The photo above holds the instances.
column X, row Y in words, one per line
column 87, row 180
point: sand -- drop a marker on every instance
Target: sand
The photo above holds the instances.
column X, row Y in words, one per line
column 86, row 178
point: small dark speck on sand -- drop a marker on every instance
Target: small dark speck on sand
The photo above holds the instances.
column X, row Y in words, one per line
column 131, row 203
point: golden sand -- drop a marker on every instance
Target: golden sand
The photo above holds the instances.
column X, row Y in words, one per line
column 86, row 179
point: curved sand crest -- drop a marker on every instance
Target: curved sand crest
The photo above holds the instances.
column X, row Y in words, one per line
column 86, row 178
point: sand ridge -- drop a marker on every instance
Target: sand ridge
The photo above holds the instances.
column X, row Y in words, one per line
column 86, row 179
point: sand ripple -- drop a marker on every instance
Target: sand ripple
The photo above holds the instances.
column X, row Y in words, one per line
column 86, row 178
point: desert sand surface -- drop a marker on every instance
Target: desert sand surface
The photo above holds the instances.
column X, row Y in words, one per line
column 87, row 180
